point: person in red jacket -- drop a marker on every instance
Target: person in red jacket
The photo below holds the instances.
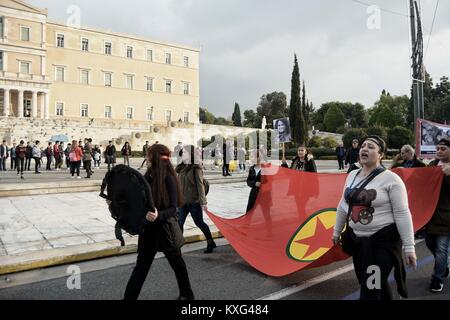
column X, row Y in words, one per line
column 75, row 157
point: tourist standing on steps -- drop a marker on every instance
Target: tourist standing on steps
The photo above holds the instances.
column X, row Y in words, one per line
column 66, row 154
column 110, row 155
column 144, row 152
column 36, row 155
column 3, row 155
column 12, row 155
column 87, row 157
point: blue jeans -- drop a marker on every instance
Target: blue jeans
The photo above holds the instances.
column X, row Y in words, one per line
column 197, row 215
column 439, row 246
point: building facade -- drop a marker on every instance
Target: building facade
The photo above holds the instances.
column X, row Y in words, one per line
column 50, row 70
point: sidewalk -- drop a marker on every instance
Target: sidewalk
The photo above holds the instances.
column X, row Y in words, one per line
column 44, row 230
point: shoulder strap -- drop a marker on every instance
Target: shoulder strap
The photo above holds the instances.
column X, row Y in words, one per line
column 372, row 176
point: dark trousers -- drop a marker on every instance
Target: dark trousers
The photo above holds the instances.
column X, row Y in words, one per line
column 87, row 166
column 49, row 163
column 341, row 163
column 384, row 260
column 13, row 163
column 67, row 162
column 146, row 254
column 242, row 166
column 225, row 169
column 196, row 212
column 143, row 162
column 27, row 163
column 20, row 165
column 75, row 165
column 37, row 163
column 3, row 164
column 110, row 161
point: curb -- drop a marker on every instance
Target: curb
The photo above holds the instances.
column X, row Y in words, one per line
column 56, row 257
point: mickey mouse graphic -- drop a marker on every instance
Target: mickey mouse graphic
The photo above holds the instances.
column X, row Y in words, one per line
column 362, row 210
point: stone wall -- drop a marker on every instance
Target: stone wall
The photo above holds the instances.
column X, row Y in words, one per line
column 101, row 131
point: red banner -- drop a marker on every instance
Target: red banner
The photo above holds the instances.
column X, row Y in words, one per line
column 291, row 225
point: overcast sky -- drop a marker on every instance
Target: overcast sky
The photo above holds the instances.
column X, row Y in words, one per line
column 247, row 46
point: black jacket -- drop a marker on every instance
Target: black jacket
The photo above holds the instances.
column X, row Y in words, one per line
column 252, row 179
column 307, row 166
column 164, row 234
column 416, row 163
column 440, row 222
column 352, row 156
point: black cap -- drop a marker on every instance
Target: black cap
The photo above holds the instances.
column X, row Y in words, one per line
column 378, row 140
column 444, row 141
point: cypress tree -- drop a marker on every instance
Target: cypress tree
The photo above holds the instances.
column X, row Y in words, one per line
column 296, row 116
column 236, row 117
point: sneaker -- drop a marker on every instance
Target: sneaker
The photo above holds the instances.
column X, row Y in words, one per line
column 78, row 177
column 436, row 286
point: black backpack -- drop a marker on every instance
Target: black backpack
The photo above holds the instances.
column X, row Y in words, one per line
column 130, row 199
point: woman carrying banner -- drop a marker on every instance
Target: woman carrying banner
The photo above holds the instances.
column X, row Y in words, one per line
column 190, row 174
column 161, row 231
column 374, row 208
column 304, row 161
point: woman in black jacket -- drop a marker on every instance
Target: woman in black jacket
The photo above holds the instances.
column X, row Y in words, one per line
column 161, row 231
column 304, row 161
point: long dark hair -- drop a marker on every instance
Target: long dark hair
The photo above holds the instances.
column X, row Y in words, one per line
column 161, row 168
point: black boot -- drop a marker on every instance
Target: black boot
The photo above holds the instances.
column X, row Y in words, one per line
column 211, row 245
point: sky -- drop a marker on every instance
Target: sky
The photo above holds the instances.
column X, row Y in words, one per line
column 345, row 52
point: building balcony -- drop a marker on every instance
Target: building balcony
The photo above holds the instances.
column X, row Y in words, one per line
column 21, row 76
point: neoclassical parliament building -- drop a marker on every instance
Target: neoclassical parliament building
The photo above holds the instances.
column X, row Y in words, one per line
column 50, row 70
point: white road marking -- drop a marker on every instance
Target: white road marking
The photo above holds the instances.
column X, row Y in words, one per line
column 307, row 283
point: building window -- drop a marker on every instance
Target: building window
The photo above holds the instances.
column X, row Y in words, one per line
column 60, row 74
column 129, row 113
column 84, row 44
column 1, row 27
column 108, row 48
column 1, row 60
column 59, row 109
column 108, row 112
column 186, row 62
column 168, row 58
column 149, row 114
column 168, row 86
column 25, row 33
column 186, row 117
column 149, row 84
column 168, row 115
column 186, row 88
column 60, row 41
column 129, row 81
column 129, row 52
column 108, row 79
column 84, row 110
column 24, row 67
column 150, row 55
column 84, row 76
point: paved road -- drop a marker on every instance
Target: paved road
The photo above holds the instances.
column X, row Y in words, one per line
column 222, row 275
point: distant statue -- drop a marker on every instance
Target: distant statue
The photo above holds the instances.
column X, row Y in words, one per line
column 264, row 123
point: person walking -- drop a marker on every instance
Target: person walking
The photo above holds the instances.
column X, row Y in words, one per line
column 21, row 153
column 49, row 155
column 352, row 155
column 3, row 155
column 254, row 178
column 12, row 154
column 87, row 158
column 161, row 231
column 97, row 158
column 226, row 160
column 75, row 156
column 144, row 153
column 340, row 154
column 304, row 161
column 126, row 153
column 56, row 154
column 110, row 155
column 241, row 153
column 36, row 154
column 61, row 154
column 438, row 228
column 190, row 173
column 374, row 209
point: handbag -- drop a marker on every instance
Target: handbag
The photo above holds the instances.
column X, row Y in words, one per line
column 348, row 237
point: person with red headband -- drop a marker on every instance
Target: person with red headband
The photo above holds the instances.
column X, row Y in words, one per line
column 161, row 231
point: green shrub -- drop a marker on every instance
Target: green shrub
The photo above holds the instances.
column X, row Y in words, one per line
column 315, row 142
column 329, row 142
